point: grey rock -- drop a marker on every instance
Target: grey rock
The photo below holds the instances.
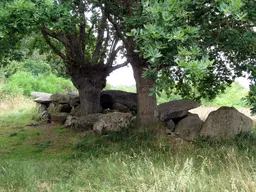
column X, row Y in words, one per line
column 225, row 123
column 76, row 111
column 55, row 108
column 60, row 98
column 59, row 117
column 74, row 101
column 120, row 107
column 51, row 108
column 175, row 109
column 112, row 122
column 64, row 99
column 41, row 97
column 170, row 125
column 168, row 132
column 42, row 109
column 68, row 121
column 84, row 122
column 189, row 127
column 40, row 94
column 109, row 97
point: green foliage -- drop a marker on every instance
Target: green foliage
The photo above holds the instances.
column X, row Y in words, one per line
column 252, row 97
column 36, row 67
column 195, row 49
column 31, row 66
column 23, row 83
column 234, row 95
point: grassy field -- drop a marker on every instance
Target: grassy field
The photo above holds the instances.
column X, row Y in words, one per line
column 51, row 158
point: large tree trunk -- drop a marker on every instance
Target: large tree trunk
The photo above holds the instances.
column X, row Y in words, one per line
column 89, row 80
column 146, row 102
column 89, row 99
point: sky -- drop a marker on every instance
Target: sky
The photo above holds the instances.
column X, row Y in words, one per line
column 124, row 76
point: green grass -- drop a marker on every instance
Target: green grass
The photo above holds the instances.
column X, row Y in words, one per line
column 52, row 158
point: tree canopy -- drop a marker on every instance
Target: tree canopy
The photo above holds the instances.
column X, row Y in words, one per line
column 194, row 48
column 77, row 31
column 197, row 48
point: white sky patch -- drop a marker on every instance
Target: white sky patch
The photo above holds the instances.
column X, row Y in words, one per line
column 244, row 82
column 122, row 76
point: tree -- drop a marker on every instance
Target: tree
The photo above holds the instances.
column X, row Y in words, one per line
column 76, row 31
column 125, row 15
column 193, row 47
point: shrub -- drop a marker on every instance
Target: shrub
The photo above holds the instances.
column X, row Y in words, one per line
column 36, row 67
column 23, row 83
column 32, row 66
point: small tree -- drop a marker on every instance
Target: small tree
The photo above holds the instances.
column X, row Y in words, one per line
column 76, row 31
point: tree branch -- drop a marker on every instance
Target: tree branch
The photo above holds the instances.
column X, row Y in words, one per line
column 54, row 35
column 100, row 37
column 53, row 47
column 113, row 54
column 105, row 46
column 82, row 25
column 113, row 68
column 117, row 28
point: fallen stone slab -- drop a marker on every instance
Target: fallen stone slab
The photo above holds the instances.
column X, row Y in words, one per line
column 175, row 109
column 41, row 97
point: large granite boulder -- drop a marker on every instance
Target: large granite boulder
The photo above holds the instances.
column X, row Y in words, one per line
column 225, row 123
column 112, row 122
column 84, row 122
column 99, row 123
column 59, row 117
column 110, row 97
column 189, row 127
column 175, row 109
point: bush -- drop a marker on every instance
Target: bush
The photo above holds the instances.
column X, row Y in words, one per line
column 235, row 95
column 23, row 83
column 36, row 67
column 32, row 66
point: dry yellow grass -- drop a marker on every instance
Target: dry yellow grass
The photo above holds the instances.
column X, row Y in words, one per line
column 15, row 104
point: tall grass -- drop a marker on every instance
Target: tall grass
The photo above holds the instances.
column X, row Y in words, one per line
column 51, row 158
column 146, row 168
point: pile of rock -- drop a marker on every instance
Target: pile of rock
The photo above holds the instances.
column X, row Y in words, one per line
column 177, row 119
column 224, row 123
column 119, row 108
